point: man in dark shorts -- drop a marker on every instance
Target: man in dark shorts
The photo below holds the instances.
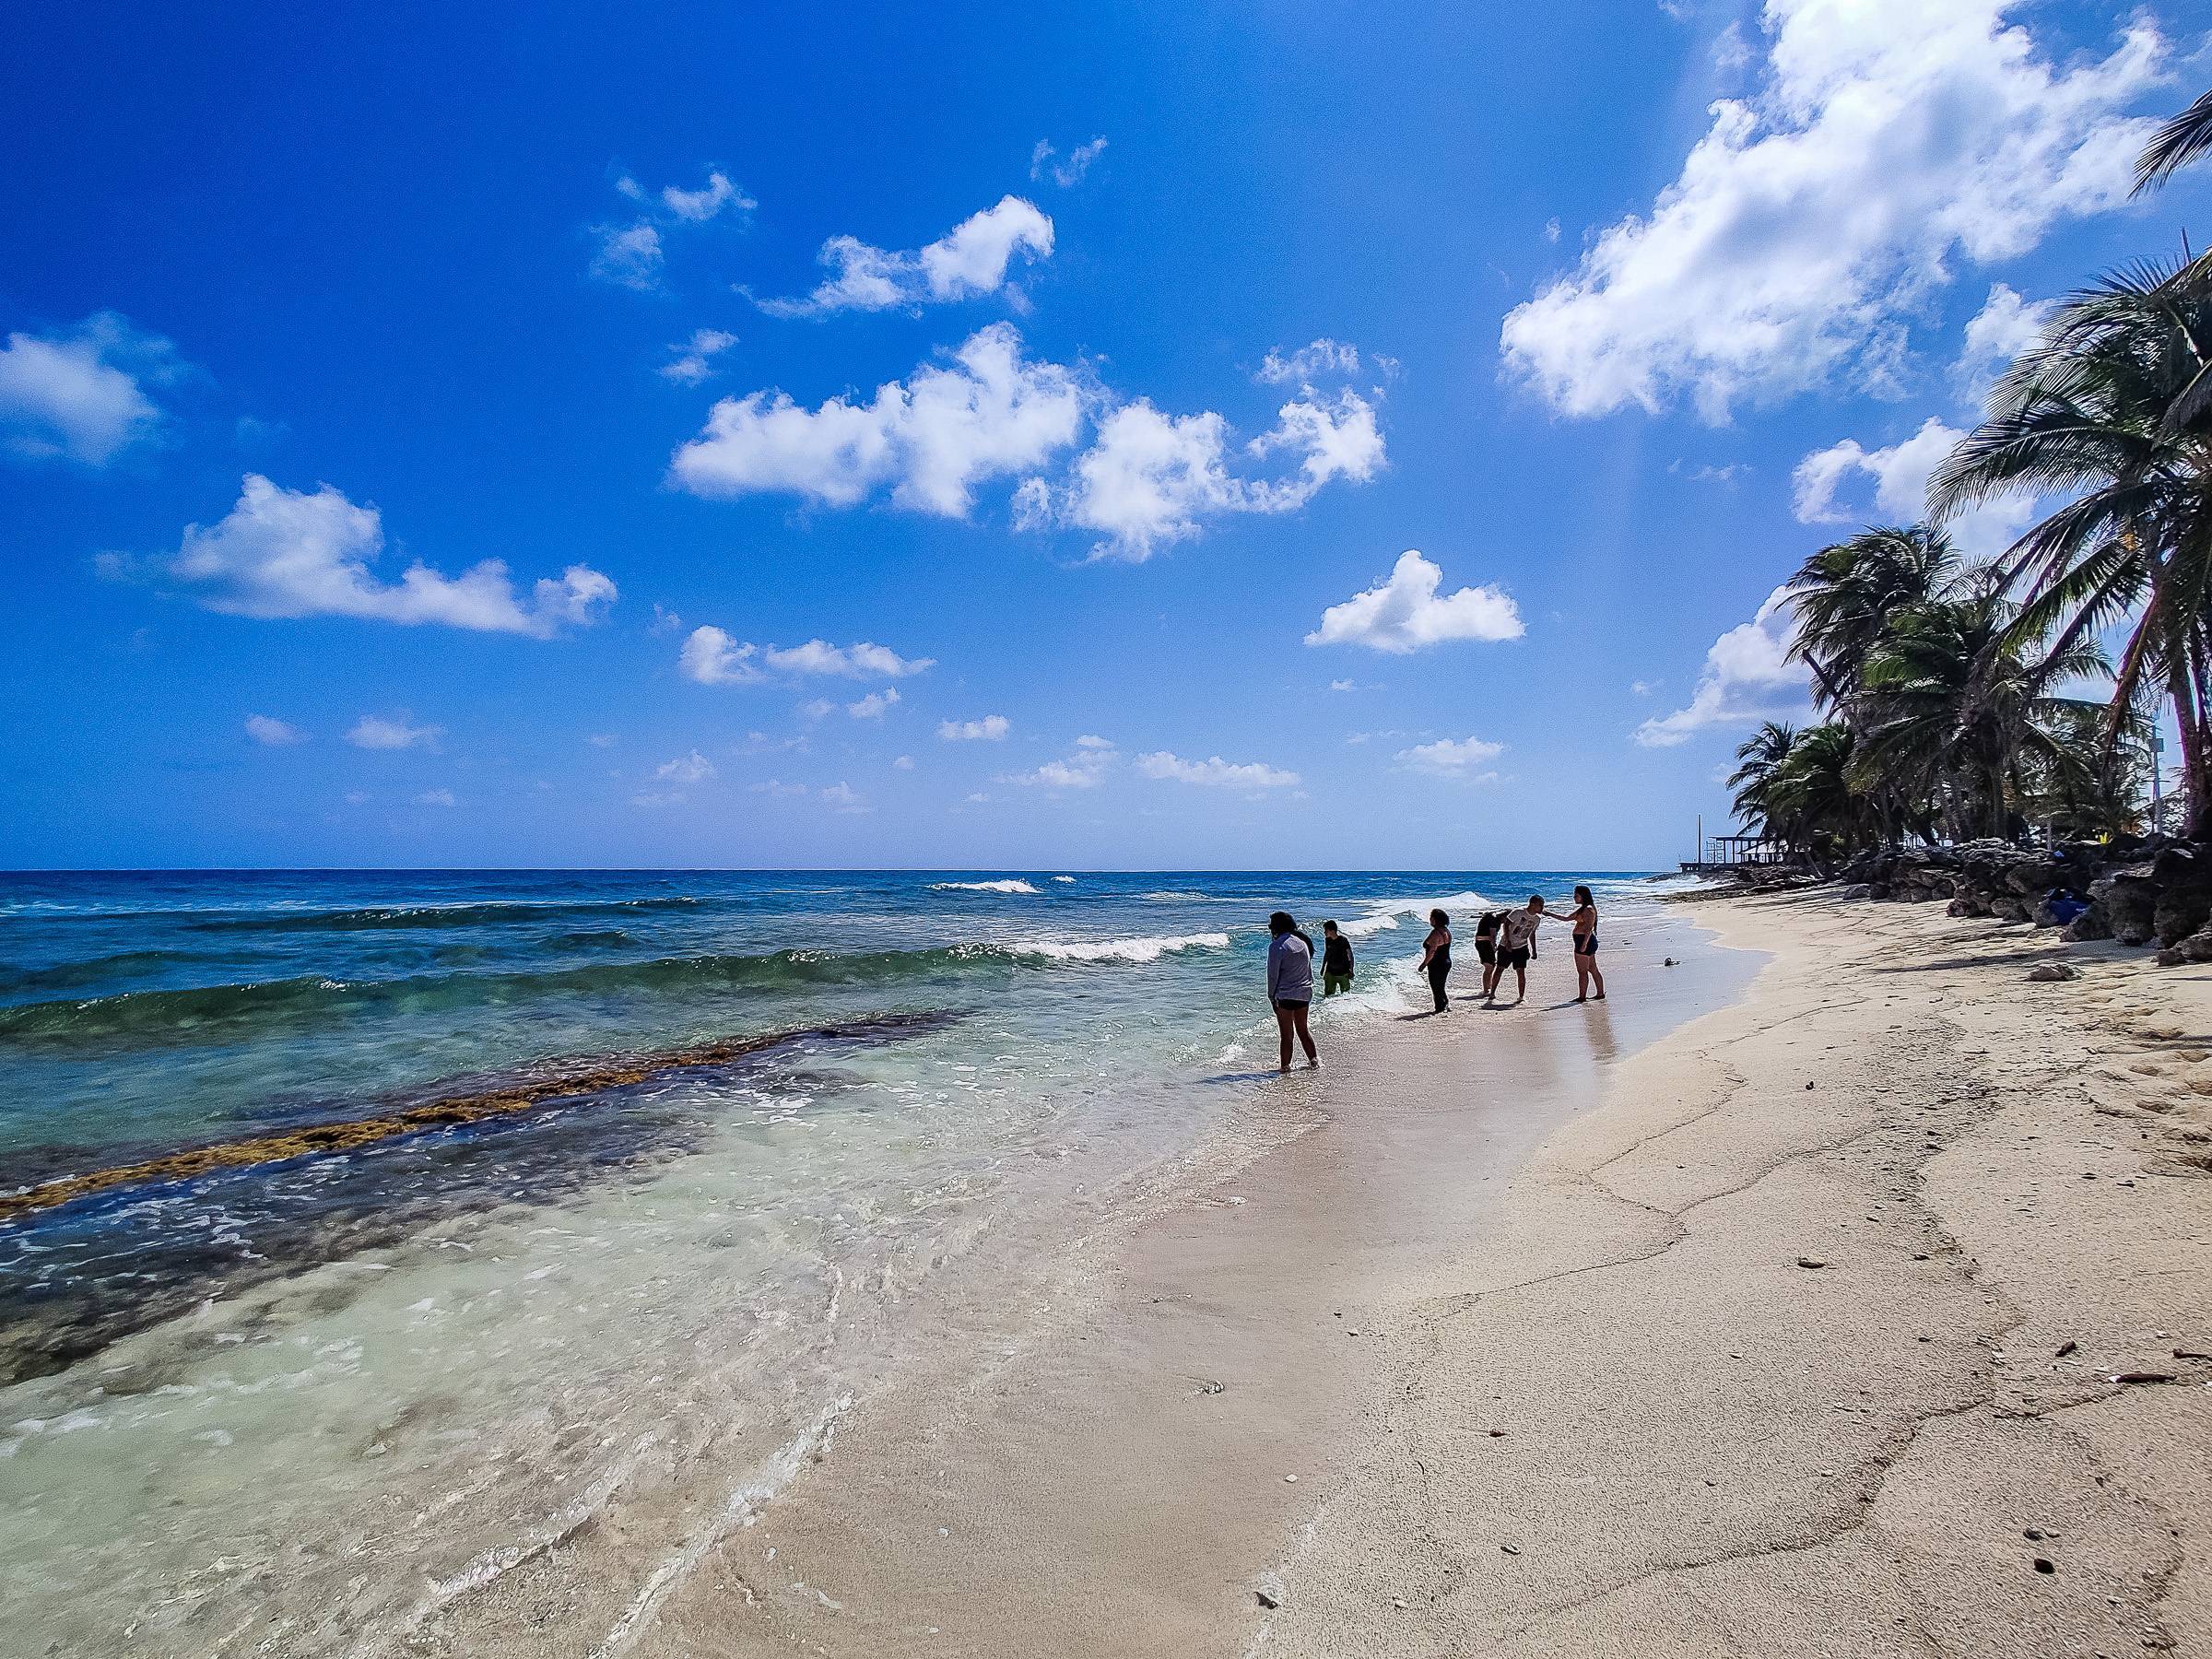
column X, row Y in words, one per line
column 1516, row 936
column 1335, row 960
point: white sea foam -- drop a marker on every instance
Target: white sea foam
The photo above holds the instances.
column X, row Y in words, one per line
column 1175, row 896
column 1118, row 951
column 1011, row 885
column 1064, row 879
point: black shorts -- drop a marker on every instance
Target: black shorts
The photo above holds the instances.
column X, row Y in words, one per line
column 1586, row 945
column 1487, row 950
column 1292, row 1001
column 1513, row 958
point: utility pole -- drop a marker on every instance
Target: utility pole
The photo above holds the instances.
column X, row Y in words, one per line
column 1701, row 858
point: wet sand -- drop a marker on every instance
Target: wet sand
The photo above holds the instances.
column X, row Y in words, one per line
column 1136, row 1476
column 1796, row 1331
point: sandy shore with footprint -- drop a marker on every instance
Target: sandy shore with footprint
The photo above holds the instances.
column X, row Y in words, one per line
column 1792, row 1330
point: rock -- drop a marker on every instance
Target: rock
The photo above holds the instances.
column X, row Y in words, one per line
column 1267, row 1598
column 1810, row 1262
column 2064, row 1349
column 2143, row 1377
column 1857, row 891
column 2170, row 957
column 2034, row 1534
column 2044, row 973
column 2045, row 1564
column 2180, row 912
column 2092, row 923
column 2196, row 947
column 1510, row 1549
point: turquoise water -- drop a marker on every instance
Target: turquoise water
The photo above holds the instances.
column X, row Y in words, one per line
column 430, row 1351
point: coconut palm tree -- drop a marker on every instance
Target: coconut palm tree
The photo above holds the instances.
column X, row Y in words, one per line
column 1960, row 708
column 2085, row 789
column 1759, row 757
column 1845, row 594
column 2114, row 408
column 2175, row 145
column 1813, row 800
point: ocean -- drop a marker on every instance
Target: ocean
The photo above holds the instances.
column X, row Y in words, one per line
column 364, row 1235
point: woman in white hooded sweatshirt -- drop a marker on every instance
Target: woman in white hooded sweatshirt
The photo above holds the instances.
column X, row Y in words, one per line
column 1290, row 983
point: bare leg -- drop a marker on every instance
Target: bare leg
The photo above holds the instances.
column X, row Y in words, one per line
column 1283, row 1022
column 1601, row 982
column 1306, row 1037
column 1581, row 977
column 1520, row 981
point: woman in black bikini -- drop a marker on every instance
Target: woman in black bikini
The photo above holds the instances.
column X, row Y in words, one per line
column 1436, row 955
column 1585, row 919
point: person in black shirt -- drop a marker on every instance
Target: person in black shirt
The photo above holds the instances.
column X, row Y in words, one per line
column 1335, row 960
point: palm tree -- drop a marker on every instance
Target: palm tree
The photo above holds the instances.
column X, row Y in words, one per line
column 1813, row 799
column 2175, row 145
column 1845, row 594
column 2086, row 789
column 1761, row 757
column 2114, row 408
column 1960, row 708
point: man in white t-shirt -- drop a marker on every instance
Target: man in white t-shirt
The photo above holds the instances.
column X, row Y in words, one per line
column 1516, row 936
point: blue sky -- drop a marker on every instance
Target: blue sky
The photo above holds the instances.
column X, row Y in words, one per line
column 886, row 471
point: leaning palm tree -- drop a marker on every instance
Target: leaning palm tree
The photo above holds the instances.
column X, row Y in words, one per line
column 2113, row 409
column 1759, row 757
column 1961, row 706
column 1845, row 594
column 2175, row 145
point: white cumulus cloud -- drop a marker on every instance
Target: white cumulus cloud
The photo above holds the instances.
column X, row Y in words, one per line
column 1748, row 678
column 1900, row 473
column 874, row 705
column 713, row 657
column 693, row 360
column 1462, row 757
column 1215, row 772
column 991, row 728
column 969, row 259
column 989, row 413
column 631, row 253
column 2006, row 326
column 1887, row 143
column 399, row 732
column 289, row 553
column 1083, row 769
column 1068, row 171
column 1307, row 363
column 693, row 768
column 274, row 732
column 1150, row 480
column 1407, row 613
column 80, row 395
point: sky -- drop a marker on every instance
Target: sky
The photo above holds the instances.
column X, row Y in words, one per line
column 1178, row 437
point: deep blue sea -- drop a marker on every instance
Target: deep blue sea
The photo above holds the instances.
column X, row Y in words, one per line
column 659, row 1159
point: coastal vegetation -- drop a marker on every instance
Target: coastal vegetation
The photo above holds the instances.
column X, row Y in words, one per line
column 1964, row 701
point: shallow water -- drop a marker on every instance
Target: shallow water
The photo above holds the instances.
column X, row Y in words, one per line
column 314, row 1398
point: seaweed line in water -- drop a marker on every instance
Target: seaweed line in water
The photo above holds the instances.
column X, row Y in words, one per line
column 557, row 1081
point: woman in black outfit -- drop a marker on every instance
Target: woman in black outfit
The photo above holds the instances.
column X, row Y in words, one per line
column 1436, row 955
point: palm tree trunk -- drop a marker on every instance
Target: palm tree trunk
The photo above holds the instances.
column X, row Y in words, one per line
column 2189, row 721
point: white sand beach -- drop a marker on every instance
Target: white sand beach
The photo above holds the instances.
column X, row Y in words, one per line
column 1795, row 1332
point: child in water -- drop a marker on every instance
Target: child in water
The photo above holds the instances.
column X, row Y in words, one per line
column 1335, row 960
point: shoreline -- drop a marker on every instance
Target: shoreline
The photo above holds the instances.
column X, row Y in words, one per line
column 1725, row 1364
column 1127, row 1478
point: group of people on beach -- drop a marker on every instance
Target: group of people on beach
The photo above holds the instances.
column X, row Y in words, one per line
column 1504, row 939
